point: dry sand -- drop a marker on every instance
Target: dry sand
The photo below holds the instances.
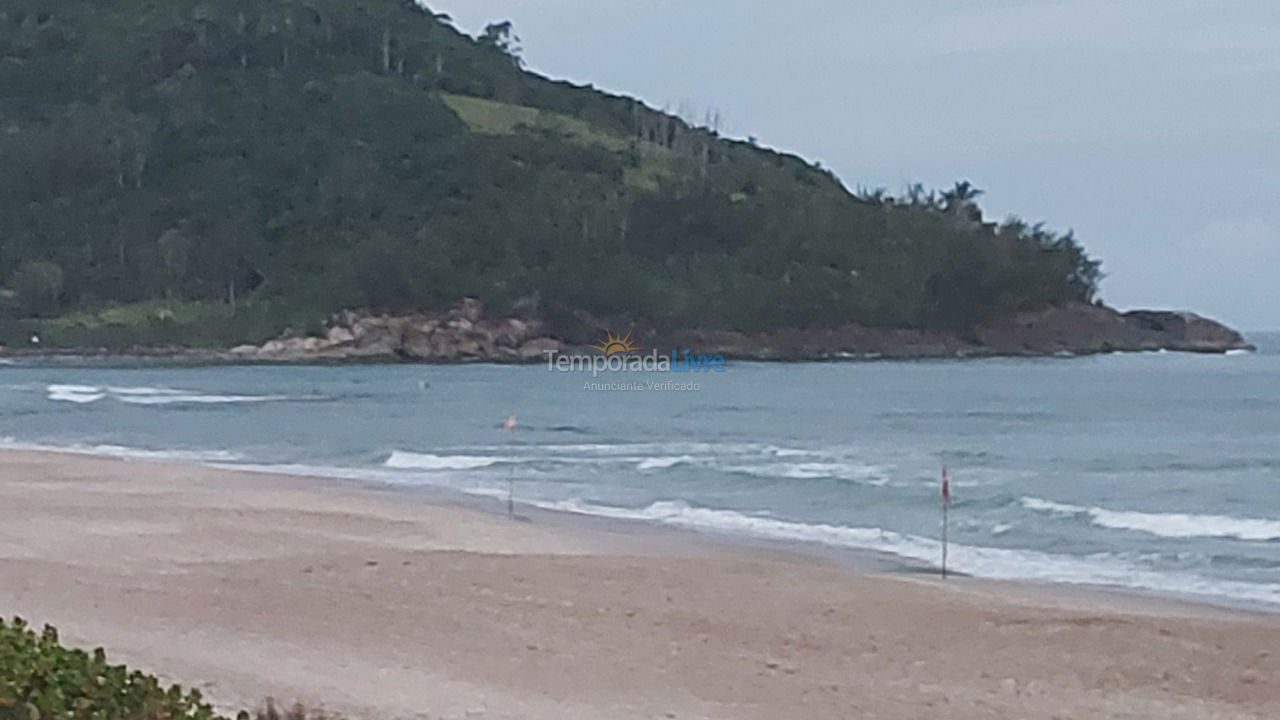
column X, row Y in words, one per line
column 390, row 605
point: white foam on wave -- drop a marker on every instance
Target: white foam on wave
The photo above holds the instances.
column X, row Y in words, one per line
column 80, row 394
column 986, row 562
column 403, row 460
column 787, row 452
column 663, row 463
column 761, row 461
column 1169, row 525
column 861, row 473
column 84, row 394
column 196, row 399
column 124, row 452
column 144, row 391
column 661, row 449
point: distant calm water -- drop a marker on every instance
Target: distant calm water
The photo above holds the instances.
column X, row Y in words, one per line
column 1152, row 471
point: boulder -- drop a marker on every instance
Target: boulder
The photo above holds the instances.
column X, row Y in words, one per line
column 470, row 309
column 537, row 348
column 375, row 334
column 471, row 348
column 417, row 342
column 340, row 335
column 314, row 344
column 272, row 347
column 443, row 347
column 511, row 332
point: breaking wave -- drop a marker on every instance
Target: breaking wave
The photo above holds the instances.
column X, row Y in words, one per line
column 402, row 460
column 1169, row 525
column 994, row 563
column 85, row 394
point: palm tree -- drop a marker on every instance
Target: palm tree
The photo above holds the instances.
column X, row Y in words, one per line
column 878, row 196
column 960, row 200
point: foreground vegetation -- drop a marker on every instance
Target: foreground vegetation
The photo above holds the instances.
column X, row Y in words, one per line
column 269, row 163
column 42, row 680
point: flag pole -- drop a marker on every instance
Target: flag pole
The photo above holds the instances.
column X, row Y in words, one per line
column 946, row 503
column 509, row 427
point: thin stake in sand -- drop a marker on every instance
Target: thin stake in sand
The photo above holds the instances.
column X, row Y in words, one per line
column 946, row 505
column 509, row 426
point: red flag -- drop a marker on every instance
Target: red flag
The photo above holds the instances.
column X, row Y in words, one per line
column 946, row 486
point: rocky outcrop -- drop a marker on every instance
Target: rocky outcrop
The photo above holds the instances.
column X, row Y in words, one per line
column 461, row 334
column 1071, row 329
column 1188, row 332
column 465, row 333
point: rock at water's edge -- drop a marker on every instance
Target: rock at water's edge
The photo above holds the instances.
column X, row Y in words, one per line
column 465, row 334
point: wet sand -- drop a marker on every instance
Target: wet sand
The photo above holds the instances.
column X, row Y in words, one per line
column 382, row 604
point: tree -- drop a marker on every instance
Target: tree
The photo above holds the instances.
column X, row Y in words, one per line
column 961, row 199
column 38, row 286
column 175, row 251
column 502, row 37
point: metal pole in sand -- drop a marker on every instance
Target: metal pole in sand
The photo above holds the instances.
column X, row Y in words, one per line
column 509, row 427
column 946, row 505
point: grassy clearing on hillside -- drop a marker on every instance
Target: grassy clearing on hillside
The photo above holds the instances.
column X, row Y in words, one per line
column 155, row 322
column 142, row 313
column 490, row 117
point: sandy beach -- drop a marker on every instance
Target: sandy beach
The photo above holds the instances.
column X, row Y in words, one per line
column 382, row 604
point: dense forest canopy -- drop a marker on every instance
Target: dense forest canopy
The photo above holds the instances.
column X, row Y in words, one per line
column 280, row 159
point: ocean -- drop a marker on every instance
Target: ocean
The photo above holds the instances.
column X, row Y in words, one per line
column 1158, row 472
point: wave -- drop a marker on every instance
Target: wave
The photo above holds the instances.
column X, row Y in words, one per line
column 851, row 472
column 1169, row 525
column 663, row 463
column 758, row 461
column 199, row 399
column 126, row 453
column 80, row 394
column 403, row 460
column 85, row 394
column 994, row 563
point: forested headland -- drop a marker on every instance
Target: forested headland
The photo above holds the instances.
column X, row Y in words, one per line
column 209, row 172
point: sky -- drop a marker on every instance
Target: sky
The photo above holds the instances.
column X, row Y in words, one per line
column 1150, row 127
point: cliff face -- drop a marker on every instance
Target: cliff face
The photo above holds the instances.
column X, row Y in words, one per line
column 466, row 334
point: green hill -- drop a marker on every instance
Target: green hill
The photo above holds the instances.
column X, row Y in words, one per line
column 225, row 168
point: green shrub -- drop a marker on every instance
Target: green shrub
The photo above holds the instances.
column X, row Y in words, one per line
column 38, row 285
column 42, row 680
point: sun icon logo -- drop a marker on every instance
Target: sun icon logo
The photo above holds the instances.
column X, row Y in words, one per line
column 612, row 345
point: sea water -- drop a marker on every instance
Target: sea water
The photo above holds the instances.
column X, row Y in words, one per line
column 1156, row 471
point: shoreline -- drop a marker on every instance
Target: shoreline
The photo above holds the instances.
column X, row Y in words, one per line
column 465, row 334
column 850, row 557
column 381, row 604
column 185, row 357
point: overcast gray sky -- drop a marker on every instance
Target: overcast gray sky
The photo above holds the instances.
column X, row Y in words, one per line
column 1151, row 127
